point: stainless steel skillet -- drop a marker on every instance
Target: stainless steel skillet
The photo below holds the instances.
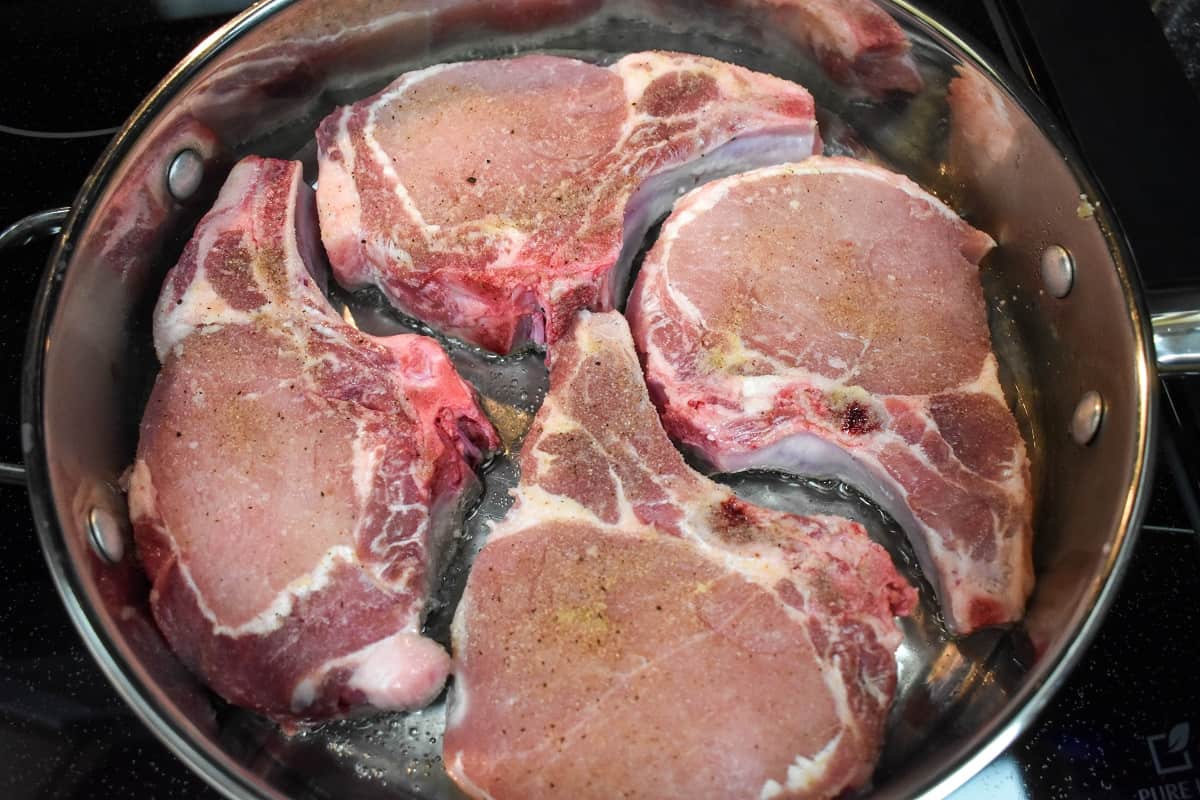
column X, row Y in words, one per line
column 261, row 83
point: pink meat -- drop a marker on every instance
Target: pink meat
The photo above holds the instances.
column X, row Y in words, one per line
column 632, row 629
column 296, row 480
column 826, row 318
column 492, row 199
column 856, row 42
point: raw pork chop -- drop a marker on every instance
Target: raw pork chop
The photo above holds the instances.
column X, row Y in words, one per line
column 296, row 481
column 827, row 318
column 632, row 629
column 856, row 42
column 490, row 198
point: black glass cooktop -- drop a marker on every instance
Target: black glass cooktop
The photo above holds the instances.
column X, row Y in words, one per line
column 1126, row 725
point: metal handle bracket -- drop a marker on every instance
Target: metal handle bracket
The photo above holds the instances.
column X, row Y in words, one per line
column 30, row 229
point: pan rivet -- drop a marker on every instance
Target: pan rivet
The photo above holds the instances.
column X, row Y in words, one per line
column 1058, row 270
column 106, row 535
column 184, row 174
column 1085, row 422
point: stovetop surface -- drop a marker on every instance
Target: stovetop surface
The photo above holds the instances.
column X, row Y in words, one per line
column 1127, row 723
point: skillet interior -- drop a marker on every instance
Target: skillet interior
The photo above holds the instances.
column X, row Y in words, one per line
column 958, row 703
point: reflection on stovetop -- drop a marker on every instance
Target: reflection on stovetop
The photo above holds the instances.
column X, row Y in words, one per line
column 1127, row 723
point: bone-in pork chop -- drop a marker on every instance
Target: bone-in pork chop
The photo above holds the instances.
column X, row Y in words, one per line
column 827, row 318
column 296, row 481
column 491, row 199
column 632, row 629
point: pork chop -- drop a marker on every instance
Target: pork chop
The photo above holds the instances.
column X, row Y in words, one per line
column 856, row 43
column 632, row 629
column 491, row 199
column 827, row 318
column 297, row 482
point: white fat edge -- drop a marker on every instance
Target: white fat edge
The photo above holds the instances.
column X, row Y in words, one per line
column 835, row 683
column 638, row 70
column 870, row 684
column 626, row 516
column 759, row 392
column 603, row 332
column 459, row 774
column 142, row 493
column 371, row 671
column 323, row 326
column 336, row 194
column 394, row 92
column 537, row 506
column 393, row 251
column 281, row 606
column 379, row 547
column 459, row 699
column 290, row 233
column 820, row 165
column 513, row 521
column 305, row 691
column 987, row 381
column 561, row 286
column 510, row 247
column 803, row 773
column 170, row 331
column 203, row 309
column 660, row 191
column 655, row 317
column 544, row 461
column 364, row 461
column 636, row 79
column 766, row 569
column 695, row 203
column 686, row 211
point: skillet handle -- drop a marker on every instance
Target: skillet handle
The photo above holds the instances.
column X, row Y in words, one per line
column 1175, row 318
column 42, row 225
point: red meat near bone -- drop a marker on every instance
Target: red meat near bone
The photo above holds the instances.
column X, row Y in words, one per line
column 827, row 318
column 632, row 629
column 493, row 199
column 296, row 481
